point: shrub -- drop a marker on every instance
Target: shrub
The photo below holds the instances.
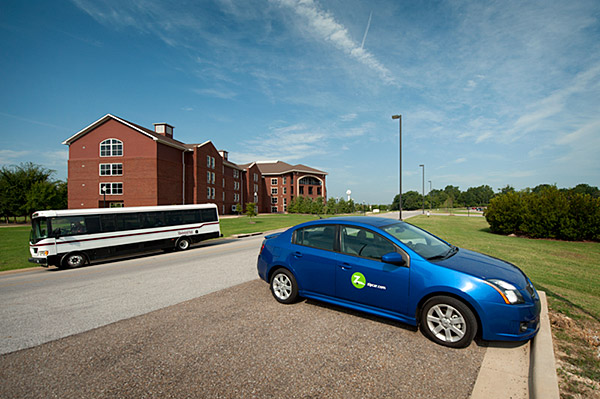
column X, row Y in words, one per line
column 547, row 213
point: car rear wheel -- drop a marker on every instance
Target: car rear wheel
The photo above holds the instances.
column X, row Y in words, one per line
column 448, row 321
column 284, row 287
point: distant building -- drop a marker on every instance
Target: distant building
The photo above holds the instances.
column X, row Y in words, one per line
column 114, row 162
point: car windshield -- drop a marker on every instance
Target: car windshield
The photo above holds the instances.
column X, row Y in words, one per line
column 39, row 230
column 420, row 241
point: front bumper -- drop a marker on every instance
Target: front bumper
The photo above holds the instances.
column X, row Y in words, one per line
column 39, row 261
column 511, row 322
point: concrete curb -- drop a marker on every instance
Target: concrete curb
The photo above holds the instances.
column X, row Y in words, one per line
column 544, row 382
column 520, row 370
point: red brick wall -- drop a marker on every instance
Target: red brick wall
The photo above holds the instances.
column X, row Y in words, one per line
column 139, row 167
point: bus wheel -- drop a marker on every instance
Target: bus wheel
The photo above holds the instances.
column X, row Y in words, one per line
column 74, row 259
column 182, row 244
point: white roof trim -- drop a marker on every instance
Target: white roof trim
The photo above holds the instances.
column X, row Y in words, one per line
column 100, row 121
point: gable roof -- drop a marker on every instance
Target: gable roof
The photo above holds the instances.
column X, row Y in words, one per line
column 279, row 167
column 147, row 132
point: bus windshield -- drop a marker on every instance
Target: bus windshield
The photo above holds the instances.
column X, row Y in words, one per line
column 39, row 230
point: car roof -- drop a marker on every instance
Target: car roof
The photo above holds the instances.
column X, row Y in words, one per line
column 365, row 220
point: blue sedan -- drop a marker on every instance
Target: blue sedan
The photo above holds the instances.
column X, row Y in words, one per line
column 396, row 270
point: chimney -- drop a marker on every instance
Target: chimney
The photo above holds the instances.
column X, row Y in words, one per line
column 164, row 129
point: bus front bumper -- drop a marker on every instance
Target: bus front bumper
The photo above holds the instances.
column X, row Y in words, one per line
column 39, row 261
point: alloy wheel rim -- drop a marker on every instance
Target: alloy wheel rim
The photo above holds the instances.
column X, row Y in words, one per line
column 282, row 286
column 446, row 323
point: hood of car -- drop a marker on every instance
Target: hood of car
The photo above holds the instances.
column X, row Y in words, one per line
column 484, row 266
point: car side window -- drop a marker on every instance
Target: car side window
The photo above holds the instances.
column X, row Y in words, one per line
column 362, row 242
column 322, row 237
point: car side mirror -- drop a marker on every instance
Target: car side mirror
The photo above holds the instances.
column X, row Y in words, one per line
column 394, row 258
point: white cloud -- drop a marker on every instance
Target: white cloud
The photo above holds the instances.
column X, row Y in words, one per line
column 224, row 94
column 324, row 25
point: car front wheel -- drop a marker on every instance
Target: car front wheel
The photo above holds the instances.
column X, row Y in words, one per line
column 284, row 287
column 448, row 321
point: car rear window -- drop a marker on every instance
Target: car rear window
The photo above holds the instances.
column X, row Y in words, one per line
column 322, row 237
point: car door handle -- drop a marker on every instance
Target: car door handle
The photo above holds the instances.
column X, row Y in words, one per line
column 297, row 254
column 345, row 266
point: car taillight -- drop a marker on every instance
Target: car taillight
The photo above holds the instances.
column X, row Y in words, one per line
column 261, row 248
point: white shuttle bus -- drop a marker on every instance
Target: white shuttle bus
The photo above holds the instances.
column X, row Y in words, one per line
column 72, row 238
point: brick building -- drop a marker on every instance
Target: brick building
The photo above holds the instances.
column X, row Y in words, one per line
column 114, row 162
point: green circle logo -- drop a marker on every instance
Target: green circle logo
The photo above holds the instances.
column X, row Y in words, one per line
column 358, row 280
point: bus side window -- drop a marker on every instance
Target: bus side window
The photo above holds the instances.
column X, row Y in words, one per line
column 209, row 215
column 107, row 223
column 92, row 224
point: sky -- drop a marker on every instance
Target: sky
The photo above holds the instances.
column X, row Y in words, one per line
column 491, row 92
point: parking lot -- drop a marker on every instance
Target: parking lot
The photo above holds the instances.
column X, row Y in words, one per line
column 239, row 342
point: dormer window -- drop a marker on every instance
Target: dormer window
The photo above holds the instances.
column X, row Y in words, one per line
column 111, row 148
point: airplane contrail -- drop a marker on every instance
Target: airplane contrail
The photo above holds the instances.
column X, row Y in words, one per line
column 366, row 31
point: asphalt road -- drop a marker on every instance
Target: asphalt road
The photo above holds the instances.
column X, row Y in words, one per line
column 43, row 305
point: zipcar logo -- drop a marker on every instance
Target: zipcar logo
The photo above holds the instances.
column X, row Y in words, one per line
column 359, row 280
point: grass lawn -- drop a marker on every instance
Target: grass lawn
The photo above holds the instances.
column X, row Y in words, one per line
column 14, row 247
column 262, row 223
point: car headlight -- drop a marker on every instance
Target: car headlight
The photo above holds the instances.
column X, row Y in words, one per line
column 509, row 292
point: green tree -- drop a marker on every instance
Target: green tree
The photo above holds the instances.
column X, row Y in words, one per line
column 412, row 200
column 251, row 209
column 17, row 184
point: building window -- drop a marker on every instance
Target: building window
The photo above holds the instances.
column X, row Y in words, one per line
column 274, row 209
column 111, row 188
column 111, row 169
column 212, row 193
column 318, row 190
column 284, row 180
column 256, row 188
column 313, row 181
column 111, row 148
column 208, row 192
column 310, row 190
column 285, row 190
column 212, row 175
column 208, row 177
column 292, row 190
column 273, row 200
column 273, row 190
column 274, row 181
column 208, row 161
column 236, row 173
column 256, row 177
column 212, row 162
column 285, row 201
column 301, row 190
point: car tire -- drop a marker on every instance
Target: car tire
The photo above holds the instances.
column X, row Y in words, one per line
column 73, row 260
column 284, row 287
column 448, row 322
column 183, row 244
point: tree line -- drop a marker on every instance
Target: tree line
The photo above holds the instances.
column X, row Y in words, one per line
column 453, row 197
column 27, row 188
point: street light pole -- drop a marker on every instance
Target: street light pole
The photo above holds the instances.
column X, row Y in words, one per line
column 423, row 188
column 399, row 117
column 430, row 202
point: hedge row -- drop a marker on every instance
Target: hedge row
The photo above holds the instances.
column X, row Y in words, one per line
column 550, row 213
